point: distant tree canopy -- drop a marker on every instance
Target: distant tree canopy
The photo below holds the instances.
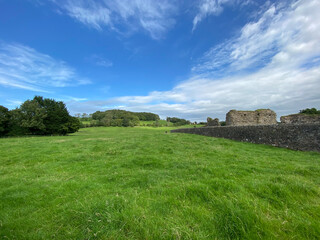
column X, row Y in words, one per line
column 122, row 118
column 146, row 116
column 310, row 111
column 40, row 116
column 178, row 121
column 4, row 120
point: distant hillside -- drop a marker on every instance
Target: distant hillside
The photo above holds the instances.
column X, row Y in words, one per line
column 122, row 118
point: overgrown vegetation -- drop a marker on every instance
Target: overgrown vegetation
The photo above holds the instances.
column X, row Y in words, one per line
column 178, row 121
column 141, row 183
column 37, row 117
column 310, row 111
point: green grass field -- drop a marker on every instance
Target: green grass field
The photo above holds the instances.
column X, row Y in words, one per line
column 143, row 183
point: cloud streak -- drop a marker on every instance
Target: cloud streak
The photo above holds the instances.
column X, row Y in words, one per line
column 124, row 16
column 259, row 42
column 274, row 63
column 23, row 67
column 207, row 8
column 101, row 61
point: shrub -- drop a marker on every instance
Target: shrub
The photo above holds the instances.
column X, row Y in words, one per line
column 310, row 111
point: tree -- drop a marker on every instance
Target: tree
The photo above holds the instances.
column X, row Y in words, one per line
column 4, row 120
column 15, row 123
column 58, row 119
column 98, row 115
column 33, row 116
column 178, row 121
column 39, row 116
column 126, row 122
column 146, row 116
column 116, row 118
column 116, row 122
column 42, row 116
column 73, row 125
column 310, row 111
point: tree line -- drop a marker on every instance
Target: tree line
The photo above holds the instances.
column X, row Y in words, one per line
column 122, row 118
column 178, row 121
column 39, row 116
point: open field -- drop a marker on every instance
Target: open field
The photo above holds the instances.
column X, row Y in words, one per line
column 143, row 183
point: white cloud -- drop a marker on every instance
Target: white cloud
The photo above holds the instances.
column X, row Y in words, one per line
column 281, row 36
column 24, row 67
column 14, row 103
column 77, row 99
column 257, row 43
column 101, row 61
column 90, row 12
column 280, row 53
column 155, row 17
column 215, row 8
column 208, row 7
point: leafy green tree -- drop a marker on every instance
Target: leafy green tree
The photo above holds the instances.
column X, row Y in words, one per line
column 310, row 111
column 146, row 116
column 15, row 123
column 33, row 116
column 57, row 116
column 178, row 121
column 116, row 122
column 126, row 122
column 4, row 120
column 57, row 119
column 106, row 121
column 41, row 116
column 116, row 118
column 98, row 115
column 223, row 123
column 73, row 125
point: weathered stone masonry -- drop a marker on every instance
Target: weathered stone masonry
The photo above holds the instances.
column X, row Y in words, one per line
column 300, row 119
column 213, row 122
column 247, row 118
column 305, row 137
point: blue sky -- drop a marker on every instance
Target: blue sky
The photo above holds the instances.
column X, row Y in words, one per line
column 190, row 59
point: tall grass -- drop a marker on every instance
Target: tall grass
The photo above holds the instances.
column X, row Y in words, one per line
column 143, row 183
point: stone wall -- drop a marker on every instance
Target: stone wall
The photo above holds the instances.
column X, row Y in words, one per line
column 305, row 137
column 300, row 119
column 249, row 118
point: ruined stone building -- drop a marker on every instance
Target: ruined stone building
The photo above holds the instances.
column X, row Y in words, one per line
column 213, row 122
column 247, row 118
column 300, row 119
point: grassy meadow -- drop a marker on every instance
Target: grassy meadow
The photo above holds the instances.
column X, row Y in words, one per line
column 144, row 183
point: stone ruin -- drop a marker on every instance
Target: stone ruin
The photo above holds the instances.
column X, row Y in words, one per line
column 212, row 122
column 249, row 118
column 296, row 131
column 300, row 119
column 262, row 117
